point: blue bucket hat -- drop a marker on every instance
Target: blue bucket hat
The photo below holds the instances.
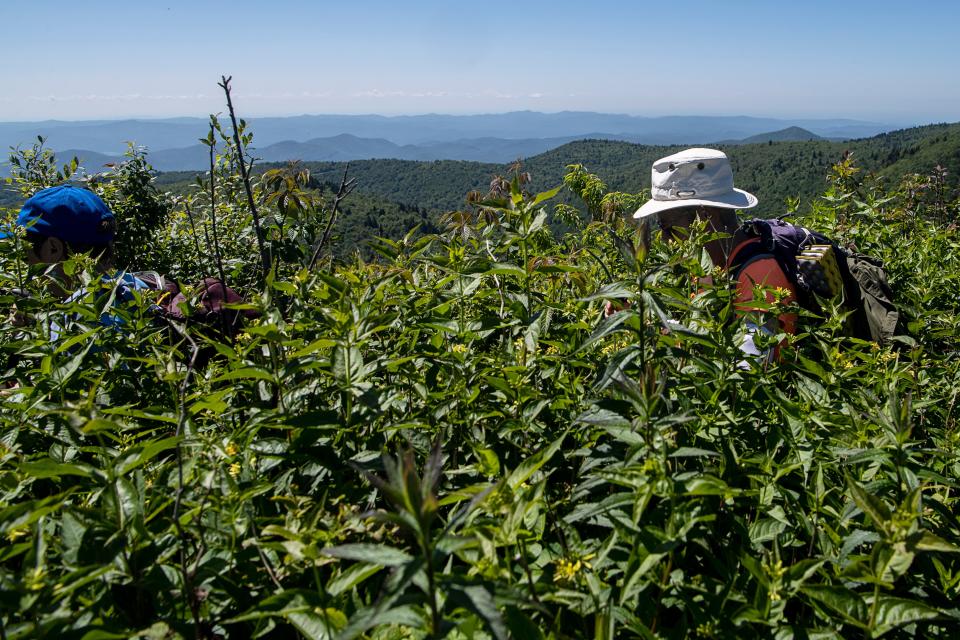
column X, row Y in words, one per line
column 70, row 213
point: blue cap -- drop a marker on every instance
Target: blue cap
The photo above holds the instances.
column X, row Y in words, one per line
column 70, row 213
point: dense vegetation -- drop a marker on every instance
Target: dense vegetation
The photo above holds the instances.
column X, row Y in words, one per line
column 452, row 440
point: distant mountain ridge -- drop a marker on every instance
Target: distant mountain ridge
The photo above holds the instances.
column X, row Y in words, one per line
column 109, row 137
column 790, row 134
column 348, row 148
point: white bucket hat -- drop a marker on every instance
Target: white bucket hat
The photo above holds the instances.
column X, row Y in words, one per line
column 691, row 178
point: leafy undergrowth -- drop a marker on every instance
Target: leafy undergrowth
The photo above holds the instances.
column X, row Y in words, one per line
column 455, row 441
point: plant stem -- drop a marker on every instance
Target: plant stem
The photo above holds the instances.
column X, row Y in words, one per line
column 264, row 254
column 213, row 217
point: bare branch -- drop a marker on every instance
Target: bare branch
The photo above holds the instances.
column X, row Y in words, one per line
column 264, row 255
column 345, row 189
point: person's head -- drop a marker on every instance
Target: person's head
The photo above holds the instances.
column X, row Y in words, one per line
column 675, row 223
column 60, row 221
column 694, row 183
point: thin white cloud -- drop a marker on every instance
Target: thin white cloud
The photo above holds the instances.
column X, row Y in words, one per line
column 127, row 97
column 398, row 93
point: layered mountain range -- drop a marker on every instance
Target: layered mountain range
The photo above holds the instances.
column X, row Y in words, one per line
column 174, row 143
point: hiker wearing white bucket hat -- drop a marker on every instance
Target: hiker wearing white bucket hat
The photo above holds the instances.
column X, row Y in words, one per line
column 698, row 184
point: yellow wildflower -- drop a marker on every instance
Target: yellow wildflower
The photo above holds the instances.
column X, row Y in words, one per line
column 35, row 579
column 568, row 568
column 781, row 293
column 775, row 569
column 15, row 534
column 459, row 348
column 235, row 469
column 232, row 449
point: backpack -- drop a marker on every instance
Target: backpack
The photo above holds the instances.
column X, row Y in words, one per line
column 866, row 292
column 212, row 311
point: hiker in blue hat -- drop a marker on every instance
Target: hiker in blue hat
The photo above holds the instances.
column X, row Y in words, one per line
column 65, row 220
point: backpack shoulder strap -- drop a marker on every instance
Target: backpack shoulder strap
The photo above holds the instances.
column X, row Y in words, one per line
column 782, row 241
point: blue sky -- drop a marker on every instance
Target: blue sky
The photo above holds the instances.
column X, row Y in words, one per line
column 881, row 60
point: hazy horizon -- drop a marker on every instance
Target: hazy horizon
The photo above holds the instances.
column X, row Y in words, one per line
column 817, row 59
column 204, row 116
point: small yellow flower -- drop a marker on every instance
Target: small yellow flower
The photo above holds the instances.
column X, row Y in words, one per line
column 568, row 568
column 774, row 596
column 15, row 534
column 459, row 348
column 35, row 579
column 775, row 570
column 235, row 469
column 232, row 449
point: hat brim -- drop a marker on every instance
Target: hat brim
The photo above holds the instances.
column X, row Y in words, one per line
column 736, row 199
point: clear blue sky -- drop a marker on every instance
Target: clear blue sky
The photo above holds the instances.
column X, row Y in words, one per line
column 881, row 60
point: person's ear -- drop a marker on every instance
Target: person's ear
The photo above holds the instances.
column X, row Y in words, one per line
column 52, row 250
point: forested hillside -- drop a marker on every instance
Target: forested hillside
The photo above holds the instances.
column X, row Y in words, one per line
column 773, row 172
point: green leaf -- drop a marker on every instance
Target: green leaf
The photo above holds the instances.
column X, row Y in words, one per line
column 926, row 541
column 140, row 455
column 347, row 364
column 545, row 195
column 693, row 452
column 369, row 553
column 896, row 612
column 540, row 325
column 603, row 418
column 870, row 504
column 478, row 599
column 521, row 626
column 312, row 625
column 251, row 373
column 102, row 634
column 708, row 485
column 488, row 461
column 532, row 464
column 352, row 577
column 47, row 468
column 538, row 222
column 503, row 269
column 849, row 604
